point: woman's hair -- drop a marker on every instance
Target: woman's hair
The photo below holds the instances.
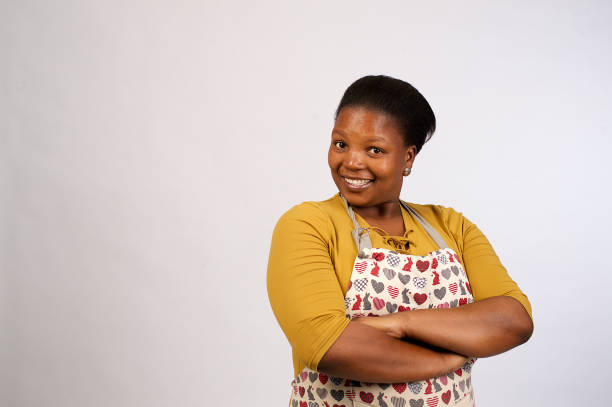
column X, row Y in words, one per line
column 399, row 100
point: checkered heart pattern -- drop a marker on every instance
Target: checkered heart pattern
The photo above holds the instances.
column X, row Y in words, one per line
column 384, row 282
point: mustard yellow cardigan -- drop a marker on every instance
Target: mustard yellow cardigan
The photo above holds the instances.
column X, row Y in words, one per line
column 312, row 256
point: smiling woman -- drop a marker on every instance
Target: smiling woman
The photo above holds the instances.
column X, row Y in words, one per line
column 384, row 302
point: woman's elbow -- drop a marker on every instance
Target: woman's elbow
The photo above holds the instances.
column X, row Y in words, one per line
column 519, row 322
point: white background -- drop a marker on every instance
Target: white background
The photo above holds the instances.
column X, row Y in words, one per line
column 148, row 147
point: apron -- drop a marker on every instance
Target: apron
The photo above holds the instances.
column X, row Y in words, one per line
column 383, row 282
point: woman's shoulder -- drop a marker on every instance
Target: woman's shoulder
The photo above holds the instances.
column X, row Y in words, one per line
column 315, row 214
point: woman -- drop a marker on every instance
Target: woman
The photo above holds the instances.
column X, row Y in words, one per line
column 343, row 273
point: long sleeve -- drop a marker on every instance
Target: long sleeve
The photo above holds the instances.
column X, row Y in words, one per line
column 303, row 288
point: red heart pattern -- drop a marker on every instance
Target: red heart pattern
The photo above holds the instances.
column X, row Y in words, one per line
column 378, row 294
column 361, row 266
column 366, row 396
column 420, row 298
column 399, row 387
column 393, row 291
column 422, row 265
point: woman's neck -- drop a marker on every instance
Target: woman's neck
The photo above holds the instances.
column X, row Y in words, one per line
column 386, row 216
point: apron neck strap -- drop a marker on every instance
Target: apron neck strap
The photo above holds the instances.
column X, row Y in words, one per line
column 361, row 236
column 431, row 231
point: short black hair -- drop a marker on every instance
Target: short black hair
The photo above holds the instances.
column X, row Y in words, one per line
column 399, row 100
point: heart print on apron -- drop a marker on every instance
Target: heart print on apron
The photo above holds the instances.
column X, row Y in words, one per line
column 382, row 282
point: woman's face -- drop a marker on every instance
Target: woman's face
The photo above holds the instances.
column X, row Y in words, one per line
column 367, row 157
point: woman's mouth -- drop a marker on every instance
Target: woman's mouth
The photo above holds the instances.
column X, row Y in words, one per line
column 356, row 183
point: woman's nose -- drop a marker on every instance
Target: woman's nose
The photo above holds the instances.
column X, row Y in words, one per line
column 354, row 159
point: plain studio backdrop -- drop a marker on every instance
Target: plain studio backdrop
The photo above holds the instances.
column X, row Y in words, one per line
column 149, row 147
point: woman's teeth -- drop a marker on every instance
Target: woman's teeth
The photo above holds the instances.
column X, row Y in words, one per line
column 357, row 182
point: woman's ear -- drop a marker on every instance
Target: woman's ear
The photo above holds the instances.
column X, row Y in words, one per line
column 411, row 153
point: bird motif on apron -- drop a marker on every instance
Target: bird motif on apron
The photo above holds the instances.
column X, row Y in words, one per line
column 383, row 282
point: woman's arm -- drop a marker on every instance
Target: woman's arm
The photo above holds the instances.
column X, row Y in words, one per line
column 483, row 328
column 370, row 355
column 308, row 302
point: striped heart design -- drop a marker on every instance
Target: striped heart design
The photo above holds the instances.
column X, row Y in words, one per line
column 420, row 298
column 422, row 265
column 399, row 387
column 393, row 292
column 366, row 396
column 432, row 401
column 361, row 266
column 389, row 273
column 398, row 402
column 378, row 303
column 350, row 394
column 453, row 288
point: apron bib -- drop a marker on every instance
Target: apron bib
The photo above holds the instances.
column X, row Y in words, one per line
column 383, row 282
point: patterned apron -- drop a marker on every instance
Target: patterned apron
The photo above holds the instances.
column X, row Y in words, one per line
column 382, row 282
